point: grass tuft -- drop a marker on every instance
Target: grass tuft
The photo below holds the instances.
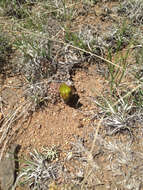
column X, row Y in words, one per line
column 39, row 171
column 133, row 10
column 5, row 51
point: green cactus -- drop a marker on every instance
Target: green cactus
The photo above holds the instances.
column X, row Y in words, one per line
column 65, row 92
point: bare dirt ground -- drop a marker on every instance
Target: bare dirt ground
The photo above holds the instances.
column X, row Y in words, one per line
column 56, row 124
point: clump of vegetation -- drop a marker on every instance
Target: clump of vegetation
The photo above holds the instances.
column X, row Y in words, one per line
column 37, row 68
column 61, row 11
column 113, row 38
column 16, row 8
column 5, row 50
column 37, row 93
column 121, row 117
column 132, row 9
column 40, row 170
column 75, row 40
column 117, row 38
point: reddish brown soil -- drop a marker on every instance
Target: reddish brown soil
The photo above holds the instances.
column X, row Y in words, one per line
column 58, row 124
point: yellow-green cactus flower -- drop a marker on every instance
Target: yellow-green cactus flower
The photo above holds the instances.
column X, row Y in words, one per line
column 65, row 92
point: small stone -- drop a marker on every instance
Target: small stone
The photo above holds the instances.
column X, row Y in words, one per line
column 8, row 168
column 80, row 125
column 39, row 126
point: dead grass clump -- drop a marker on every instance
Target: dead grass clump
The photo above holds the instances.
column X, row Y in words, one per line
column 16, row 8
column 133, row 10
column 99, row 42
column 41, row 93
column 37, row 68
column 112, row 161
column 40, row 170
column 138, row 68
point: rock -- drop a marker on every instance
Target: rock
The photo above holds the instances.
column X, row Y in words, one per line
column 8, row 168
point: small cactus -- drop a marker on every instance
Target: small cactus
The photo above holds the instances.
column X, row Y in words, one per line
column 66, row 92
